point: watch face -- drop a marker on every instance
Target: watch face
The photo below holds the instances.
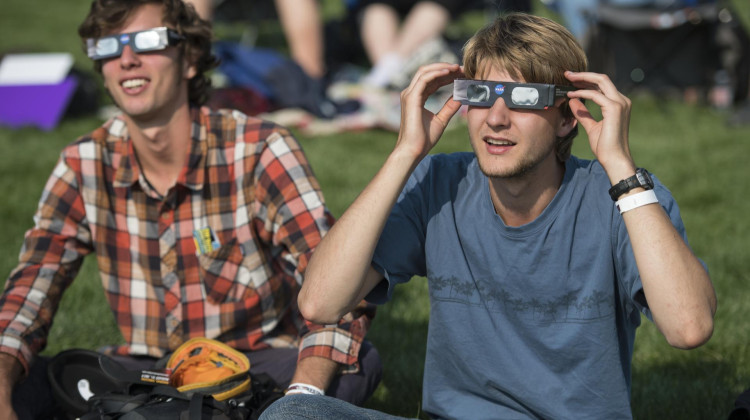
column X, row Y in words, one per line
column 644, row 179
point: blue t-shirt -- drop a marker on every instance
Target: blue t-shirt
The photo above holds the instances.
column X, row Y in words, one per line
column 536, row 321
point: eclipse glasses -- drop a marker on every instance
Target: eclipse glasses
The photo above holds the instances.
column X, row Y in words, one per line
column 153, row 39
column 516, row 95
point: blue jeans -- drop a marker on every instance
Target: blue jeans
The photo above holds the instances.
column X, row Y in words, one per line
column 303, row 406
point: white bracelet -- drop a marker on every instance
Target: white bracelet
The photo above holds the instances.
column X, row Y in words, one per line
column 300, row 388
column 636, row 200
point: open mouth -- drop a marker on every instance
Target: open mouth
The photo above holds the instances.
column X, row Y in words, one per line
column 498, row 142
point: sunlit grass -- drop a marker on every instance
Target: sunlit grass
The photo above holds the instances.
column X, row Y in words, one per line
column 688, row 147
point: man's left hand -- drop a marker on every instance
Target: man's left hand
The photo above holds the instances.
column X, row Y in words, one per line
column 608, row 138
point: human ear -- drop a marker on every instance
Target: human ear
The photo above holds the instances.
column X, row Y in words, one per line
column 567, row 121
column 189, row 70
column 566, row 125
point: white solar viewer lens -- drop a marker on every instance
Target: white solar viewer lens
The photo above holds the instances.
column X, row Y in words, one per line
column 526, row 96
column 147, row 40
column 106, row 46
column 478, row 93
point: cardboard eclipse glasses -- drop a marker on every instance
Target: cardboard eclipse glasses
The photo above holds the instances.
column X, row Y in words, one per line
column 516, row 95
column 153, row 39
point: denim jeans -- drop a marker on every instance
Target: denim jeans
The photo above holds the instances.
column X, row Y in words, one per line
column 315, row 407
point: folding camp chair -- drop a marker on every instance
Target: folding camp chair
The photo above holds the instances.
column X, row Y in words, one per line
column 658, row 49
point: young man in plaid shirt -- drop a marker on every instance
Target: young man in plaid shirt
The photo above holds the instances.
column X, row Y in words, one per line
column 202, row 223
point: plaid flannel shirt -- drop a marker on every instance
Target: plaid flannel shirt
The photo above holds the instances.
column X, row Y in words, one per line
column 247, row 195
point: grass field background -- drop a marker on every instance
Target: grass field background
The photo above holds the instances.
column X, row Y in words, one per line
column 689, row 147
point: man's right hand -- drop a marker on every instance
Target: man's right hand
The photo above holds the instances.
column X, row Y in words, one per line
column 421, row 129
column 10, row 372
column 339, row 274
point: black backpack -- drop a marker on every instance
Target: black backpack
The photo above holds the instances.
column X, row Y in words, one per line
column 165, row 402
column 85, row 390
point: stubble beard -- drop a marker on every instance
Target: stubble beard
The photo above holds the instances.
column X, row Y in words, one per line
column 528, row 164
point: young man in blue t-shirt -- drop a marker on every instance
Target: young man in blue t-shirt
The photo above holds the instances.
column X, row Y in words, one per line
column 539, row 263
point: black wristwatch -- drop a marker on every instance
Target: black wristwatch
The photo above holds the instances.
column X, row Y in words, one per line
column 640, row 179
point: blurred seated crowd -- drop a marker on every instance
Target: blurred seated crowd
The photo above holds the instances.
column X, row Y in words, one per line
column 346, row 73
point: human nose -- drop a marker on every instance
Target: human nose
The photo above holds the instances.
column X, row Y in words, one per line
column 129, row 58
column 498, row 114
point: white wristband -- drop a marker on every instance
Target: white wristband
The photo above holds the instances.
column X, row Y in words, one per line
column 636, row 200
column 300, row 388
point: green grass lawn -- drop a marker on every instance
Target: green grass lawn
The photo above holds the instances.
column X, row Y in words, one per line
column 688, row 147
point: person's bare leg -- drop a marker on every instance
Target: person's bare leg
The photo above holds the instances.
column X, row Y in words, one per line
column 424, row 22
column 303, row 28
column 379, row 31
column 389, row 46
column 205, row 8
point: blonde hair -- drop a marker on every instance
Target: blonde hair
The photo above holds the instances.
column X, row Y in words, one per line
column 537, row 49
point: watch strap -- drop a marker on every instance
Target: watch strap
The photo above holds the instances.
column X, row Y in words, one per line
column 641, row 178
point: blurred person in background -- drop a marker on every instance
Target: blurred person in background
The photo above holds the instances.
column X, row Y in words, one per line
column 394, row 31
column 302, row 24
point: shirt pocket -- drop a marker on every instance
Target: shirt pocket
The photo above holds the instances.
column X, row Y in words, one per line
column 219, row 270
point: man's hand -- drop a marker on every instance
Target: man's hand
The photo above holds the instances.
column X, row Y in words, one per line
column 421, row 129
column 10, row 372
column 608, row 138
column 340, row 273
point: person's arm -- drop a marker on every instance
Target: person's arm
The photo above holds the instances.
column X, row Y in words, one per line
column 52, row 252
column 316, row 371
column 290, row 218
column 340, row 274
column 678, row 289
column 11, row 371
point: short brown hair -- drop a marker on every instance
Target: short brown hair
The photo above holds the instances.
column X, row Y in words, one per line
column 108, row 15
column 535, row 48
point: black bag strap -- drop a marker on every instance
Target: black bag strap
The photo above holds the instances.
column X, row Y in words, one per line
column 195, row 410
column 197, row 402
column 112, row 405
column 115, row 405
